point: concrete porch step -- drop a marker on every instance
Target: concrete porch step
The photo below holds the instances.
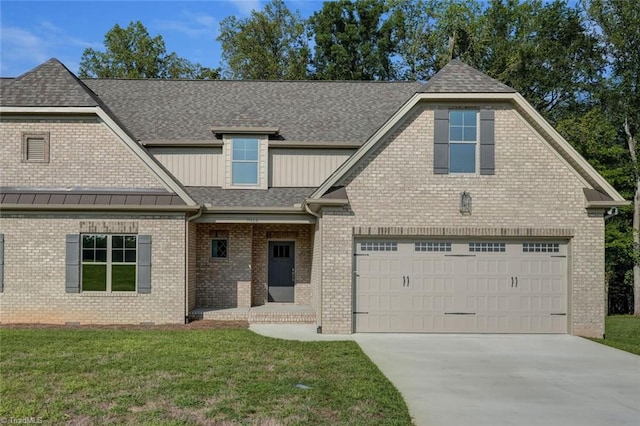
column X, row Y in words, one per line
column 271, row 313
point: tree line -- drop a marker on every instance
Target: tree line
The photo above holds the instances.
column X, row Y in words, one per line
column 579, row 65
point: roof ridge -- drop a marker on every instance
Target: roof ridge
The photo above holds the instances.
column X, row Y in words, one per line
column 173, row 80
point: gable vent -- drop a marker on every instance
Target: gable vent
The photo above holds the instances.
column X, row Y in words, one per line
column 36, row 149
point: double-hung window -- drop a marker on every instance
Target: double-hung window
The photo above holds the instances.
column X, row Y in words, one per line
column 463, row 141
column 109, row 262
column 244, row 162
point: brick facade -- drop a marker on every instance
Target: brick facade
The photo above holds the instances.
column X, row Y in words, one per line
column 82, row 153
column 34, row 272
column 532, row 188
column 220, row 282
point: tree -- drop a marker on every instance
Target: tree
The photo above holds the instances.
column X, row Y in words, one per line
column 544, row 51
column 416, row 38
column 595, row 137
column 619, row 24
column 354, row 41
column 132, row 53
column 268, row 45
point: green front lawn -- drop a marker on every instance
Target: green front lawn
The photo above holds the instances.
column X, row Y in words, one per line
column 99, row 376
column 622, row 332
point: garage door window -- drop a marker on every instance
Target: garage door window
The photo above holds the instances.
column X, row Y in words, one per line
column 487, row 247
column 379, row 246
column 540, row 247
column 432, row 246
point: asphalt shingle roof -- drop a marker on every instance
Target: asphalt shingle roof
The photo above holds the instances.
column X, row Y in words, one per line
column 319, row 111
column 458, row 77
column 50, row 84
column 272, row 197
column 187, row 110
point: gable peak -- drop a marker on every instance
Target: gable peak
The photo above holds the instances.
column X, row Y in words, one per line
column 459, row 77
column 48, row 84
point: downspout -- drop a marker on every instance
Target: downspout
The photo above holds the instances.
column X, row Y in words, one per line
column 318, row 217
column 186, row 263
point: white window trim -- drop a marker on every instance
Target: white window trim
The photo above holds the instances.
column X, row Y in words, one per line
column 26, row 137
column 263, row 155
column 476, row 143
column 108, row 263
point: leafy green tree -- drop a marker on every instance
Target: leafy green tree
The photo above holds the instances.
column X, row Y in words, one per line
column 354, row 40
column 594, row 135
column 132, row 53
column 271, row 44
column 544, row 51
column 457, row 30
column 416, row 38
column 618, row 23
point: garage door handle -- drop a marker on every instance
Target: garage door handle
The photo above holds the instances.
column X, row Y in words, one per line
column 404, row 281
column 459, row 313
column 408, row 281
column 558, row 314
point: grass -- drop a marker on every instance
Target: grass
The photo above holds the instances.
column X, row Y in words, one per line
column 185, row 377
column 622, row 332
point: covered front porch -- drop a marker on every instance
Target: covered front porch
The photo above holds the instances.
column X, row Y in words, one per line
column 258, row 272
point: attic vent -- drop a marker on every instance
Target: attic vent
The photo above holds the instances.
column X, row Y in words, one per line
column 35, row 148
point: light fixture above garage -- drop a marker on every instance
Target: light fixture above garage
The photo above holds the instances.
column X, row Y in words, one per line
column 465, row 203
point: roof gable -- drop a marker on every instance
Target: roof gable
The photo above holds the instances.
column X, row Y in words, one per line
column 458, row 77
column 48, row 85
column 449, row 86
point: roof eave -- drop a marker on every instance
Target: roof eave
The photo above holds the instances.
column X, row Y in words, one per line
column 95, row 207
column 208, row 208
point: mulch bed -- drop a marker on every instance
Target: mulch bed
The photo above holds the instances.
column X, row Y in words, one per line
column 193, row 325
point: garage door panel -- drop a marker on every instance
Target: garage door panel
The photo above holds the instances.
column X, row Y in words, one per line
column 490, row 287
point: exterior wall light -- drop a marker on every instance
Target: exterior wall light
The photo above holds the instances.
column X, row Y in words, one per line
column 465, row 203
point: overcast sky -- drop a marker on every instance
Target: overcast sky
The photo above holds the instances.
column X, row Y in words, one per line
column 31, row 32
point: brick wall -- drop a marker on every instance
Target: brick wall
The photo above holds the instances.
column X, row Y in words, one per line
column 192, row 260
column 217, row 278
column 83, row 153
column 532, row 188
column 34, row 280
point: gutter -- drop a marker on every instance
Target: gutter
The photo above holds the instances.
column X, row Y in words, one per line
column 186, row 262
column 605, row 204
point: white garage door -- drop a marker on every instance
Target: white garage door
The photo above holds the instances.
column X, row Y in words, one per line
column 460, row 287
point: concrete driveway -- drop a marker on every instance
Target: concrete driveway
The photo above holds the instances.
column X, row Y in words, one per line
column 509, row 379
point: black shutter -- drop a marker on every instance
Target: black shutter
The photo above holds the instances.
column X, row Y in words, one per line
column 487, row 142
column 72, row 280
column 144, row 263
column 441, row 142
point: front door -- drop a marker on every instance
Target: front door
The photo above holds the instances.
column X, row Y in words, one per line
column 281, row 271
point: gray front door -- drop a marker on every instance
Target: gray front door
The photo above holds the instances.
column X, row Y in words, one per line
column 281, row 271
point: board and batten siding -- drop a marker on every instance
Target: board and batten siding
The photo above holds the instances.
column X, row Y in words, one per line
column 288, row 167
column 193, row 166
column 304, row 167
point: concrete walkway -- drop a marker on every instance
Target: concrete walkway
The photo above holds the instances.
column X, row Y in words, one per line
column 501, row 379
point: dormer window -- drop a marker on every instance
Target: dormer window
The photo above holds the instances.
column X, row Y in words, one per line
column 245, row 164
column 246, row 156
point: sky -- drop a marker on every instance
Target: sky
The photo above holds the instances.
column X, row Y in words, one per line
column 31, row 32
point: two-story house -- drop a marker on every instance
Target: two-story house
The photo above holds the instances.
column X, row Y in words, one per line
column 448, row 206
